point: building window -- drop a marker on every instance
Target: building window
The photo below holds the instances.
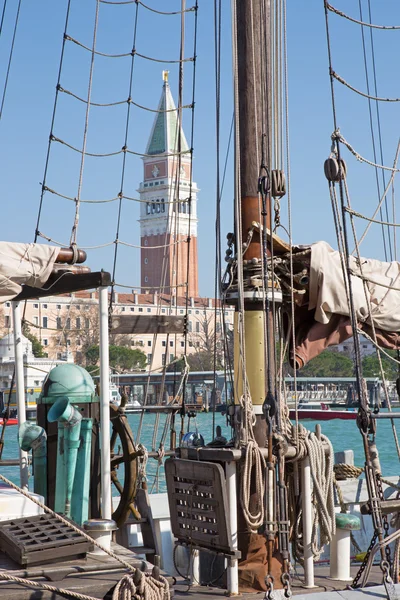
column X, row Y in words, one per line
column 36, row 320
column 58, row 355
column 58, row 323
column 149, row 310
column 140, row 309
column 190, row 344
column 58, row 306
column 197, row 344
column 132, row 308
column 87, row 324
column 149, row 357
column 68, row 342
column 7, row 321
column 44, row 305
column 78, row 323
column 8, row 304
column 163, row 360
column 68, row 323
column 163, row 343
column 171, row 343
column 145, row 242
column 149, row 342
column 181, row 311
column 171, row 357
column 197, row 327
column 190, row 326
column 146, row 279
column 146, row 260
column 163, row 310
column 44, row 322
column 123, row 309
column 197, row 312
column 36, row 306
column 182, row 344
column 78, row 342
column 148, row 208
column 162, row 205
column 78, row 307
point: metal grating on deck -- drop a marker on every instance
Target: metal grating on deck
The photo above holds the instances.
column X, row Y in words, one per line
column 198, row 504
column 41, row 539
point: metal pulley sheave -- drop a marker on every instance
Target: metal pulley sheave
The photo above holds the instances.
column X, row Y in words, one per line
column 332, row 171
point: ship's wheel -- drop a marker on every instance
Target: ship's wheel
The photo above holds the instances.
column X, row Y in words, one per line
column 123, row 464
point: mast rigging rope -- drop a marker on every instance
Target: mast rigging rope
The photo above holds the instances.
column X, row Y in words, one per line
column 363, row 23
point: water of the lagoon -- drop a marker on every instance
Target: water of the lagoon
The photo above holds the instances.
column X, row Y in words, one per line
column 344, row 435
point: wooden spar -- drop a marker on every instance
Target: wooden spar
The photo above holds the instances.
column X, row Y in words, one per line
column 253, row 27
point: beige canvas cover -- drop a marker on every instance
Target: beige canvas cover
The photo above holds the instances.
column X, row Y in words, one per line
column 325, row 319
column 328, row 293
column 24, row 264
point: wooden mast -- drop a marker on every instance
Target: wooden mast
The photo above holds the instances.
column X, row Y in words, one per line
column 253, row 28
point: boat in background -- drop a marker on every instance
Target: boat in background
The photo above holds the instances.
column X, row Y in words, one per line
column 11, row 421
column 318, row 411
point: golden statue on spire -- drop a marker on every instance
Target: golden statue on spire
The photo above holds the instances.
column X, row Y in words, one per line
column 165, row 76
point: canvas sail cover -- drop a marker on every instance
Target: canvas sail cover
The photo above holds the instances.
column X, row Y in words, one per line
column 24, row 264
column 325, row 320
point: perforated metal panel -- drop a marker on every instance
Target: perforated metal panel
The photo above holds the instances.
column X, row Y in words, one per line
column 198, row 504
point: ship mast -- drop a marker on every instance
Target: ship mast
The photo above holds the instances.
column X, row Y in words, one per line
column 253, row 133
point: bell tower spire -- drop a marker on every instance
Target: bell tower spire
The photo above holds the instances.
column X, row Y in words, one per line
column 166, row 225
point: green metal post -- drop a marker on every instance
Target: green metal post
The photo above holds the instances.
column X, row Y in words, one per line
column 80, row 490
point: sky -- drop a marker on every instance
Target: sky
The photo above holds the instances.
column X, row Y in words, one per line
column 28, row 108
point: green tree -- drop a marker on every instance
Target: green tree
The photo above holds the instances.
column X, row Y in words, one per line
column 121, row 358
column 328, row 364
column 37, row 347
column 127, row 359
column 371, row 368
column 92, row 355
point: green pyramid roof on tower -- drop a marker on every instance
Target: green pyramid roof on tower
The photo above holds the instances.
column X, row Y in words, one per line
column 164, row 136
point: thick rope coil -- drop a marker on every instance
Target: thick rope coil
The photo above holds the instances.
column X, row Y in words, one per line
column 147, row 588
column 253, row 460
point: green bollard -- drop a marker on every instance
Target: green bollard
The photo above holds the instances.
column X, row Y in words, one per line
column 32, row 437
column 80, row 490
column 63, row 411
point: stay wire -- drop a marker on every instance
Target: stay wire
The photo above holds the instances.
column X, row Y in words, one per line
column 127, row 121
column 10, row 56
column 371, row 124
column 217, row 274
column 2, row 16
column 46, row 167
column 196, row 10
column 75, row 225
column 378, row 119
column 358, row 373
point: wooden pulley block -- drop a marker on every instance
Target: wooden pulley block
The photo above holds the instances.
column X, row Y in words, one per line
column 332, row 171
column 278, row 183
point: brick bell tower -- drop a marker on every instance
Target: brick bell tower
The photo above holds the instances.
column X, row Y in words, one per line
column 164, row 210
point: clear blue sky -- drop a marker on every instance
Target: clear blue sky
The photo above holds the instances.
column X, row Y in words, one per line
column 25, row 125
